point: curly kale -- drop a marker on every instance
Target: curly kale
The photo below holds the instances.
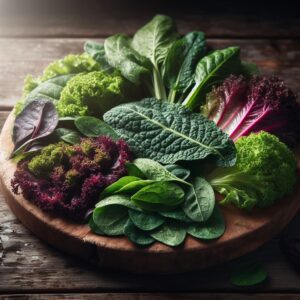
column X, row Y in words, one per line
column 67, row 180
column 265, row 172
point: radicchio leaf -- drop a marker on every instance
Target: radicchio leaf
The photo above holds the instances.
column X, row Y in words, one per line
column 38, row 119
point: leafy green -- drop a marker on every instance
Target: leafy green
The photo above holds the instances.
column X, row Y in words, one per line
column 181, row 61
column 68, row 135
column 117, row 200
column 133, row 170
column 170, row 233
column 177, row 214
column 153, row 41
column 93, row 127
column 179, row 171
column 115, row 187
column 146, row 220
column 168, row 133
column 133, row 66
column 110, row 219
column 248, row 69
column 159, row 196
column 136, row 235
column 213, row 228
column 265, row 172
column 200, row 200
column 97, row 52
column 94, row 227
column 248, row 274
column 211, row 70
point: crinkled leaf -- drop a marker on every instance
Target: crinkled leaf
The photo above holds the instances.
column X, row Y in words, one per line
column 200, row 200
column 146, row 220
column 168, row 132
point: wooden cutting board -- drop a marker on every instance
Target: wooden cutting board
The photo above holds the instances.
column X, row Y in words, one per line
column 244, row 231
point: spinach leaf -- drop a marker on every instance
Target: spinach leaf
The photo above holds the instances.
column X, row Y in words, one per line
column 115, row 187
column 181, row 61
column 117, row 200
column 211, row 70
column 213, row 228
column 49, row 89
column 110, row 219
column 93, row 127
column 200, row 200
column 94, row 227
column 153, row 42
column 97, row 52
column 68, row 135
column 146, row 220
column 129, row 62
column 133, row 170
column 248, row 274
column 170, row 233
column 137, row 235
column 135, row 186
column 38, row 120
column 177, row 214
column 179, row 171
column 168, row 132
column 159, row 196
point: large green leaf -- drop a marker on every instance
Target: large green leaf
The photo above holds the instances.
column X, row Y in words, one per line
column 129, row 62
column 181, row 61
column 154, row 39
column 168, row 132
column 137, row 235
column 146, row 220
column 211, row 70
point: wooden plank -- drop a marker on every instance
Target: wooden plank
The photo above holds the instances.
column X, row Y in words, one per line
column 98, row 18
column 148, row 296
column 19, row 57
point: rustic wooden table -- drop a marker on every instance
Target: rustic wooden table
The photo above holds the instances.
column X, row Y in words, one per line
column 30, row 39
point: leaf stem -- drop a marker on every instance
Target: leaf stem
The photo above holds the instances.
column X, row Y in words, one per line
column 159, row 88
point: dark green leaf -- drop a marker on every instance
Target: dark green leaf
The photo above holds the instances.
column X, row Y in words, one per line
column 178, row 171
column 177, row 214
column 181, row 61
column 136, row 235
column 200, row 200
column 211, row 70
column 168, row 132
column 67, row 135
column 93, row 127
column 248, row 275
column 146, row 220
column 249, row 69
column 133, row 187
column 111, row 219
column 170, row 233
column 213, row 228
column 117, row 200
column 159, row 196
column 94, row 227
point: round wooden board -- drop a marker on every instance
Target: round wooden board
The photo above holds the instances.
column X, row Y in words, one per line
column 244, row 231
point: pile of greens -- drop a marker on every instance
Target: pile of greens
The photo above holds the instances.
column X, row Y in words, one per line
column 177, row 121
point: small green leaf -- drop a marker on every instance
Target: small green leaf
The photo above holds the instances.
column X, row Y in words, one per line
column 213, row 228
column 170, row 233
column 93, row 127
column 248, row 275
column 200, row 200
column 146, row 220
column 137, row 235
column 159, row 196
column 111, row 219
column 69, row 136
column 116, row 186
column 120, row 200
